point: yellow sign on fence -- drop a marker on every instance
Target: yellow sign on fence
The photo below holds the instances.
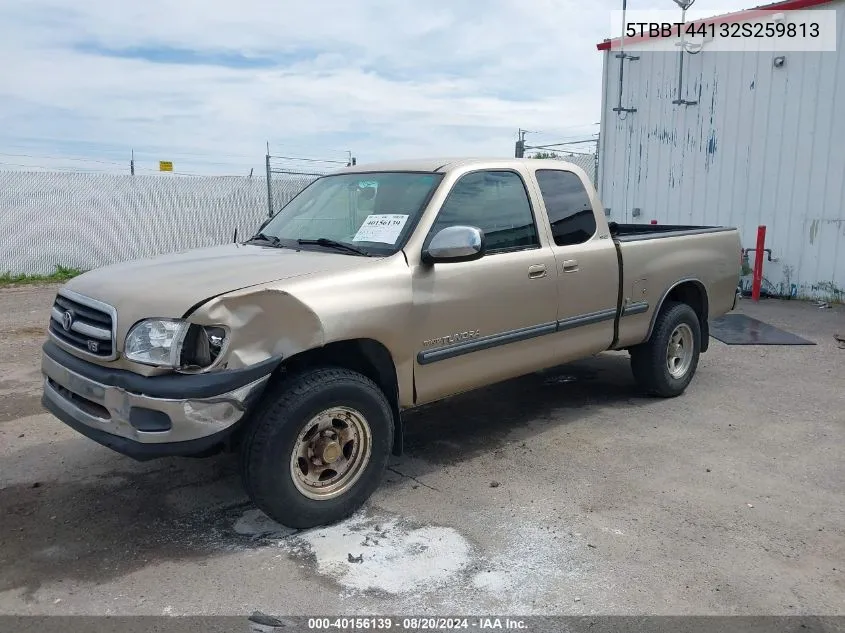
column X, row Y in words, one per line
column 165, row 165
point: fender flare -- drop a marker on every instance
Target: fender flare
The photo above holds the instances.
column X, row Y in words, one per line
column 703, row 317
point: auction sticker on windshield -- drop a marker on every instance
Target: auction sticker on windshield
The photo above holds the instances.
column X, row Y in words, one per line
column 383, row 228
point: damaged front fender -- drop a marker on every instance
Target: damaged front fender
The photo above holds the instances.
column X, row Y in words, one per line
column 264, row 323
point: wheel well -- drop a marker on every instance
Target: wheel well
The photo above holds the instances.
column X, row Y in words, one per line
column 365, row 356
column 694, row 294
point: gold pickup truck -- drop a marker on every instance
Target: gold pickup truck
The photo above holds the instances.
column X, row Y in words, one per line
column 377, row 289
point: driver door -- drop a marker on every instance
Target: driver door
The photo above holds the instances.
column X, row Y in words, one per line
column 478, row 322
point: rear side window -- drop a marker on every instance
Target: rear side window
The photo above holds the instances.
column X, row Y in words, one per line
column 568, row 206
column 497, row 203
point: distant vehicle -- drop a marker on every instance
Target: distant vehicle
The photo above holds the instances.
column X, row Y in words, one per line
column 377, row 289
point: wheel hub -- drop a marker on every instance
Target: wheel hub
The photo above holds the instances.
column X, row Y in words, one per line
column 679, row 351
column 327, row 449
column 330, row 453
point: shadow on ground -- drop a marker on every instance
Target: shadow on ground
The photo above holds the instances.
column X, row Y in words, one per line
column 480, row 421
column 137, row 514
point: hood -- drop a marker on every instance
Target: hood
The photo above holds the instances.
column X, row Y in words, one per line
column 170, row 285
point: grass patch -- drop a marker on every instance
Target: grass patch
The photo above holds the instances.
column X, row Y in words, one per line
column 60, row 274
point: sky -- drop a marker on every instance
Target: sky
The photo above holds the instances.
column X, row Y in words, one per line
column 207, row 83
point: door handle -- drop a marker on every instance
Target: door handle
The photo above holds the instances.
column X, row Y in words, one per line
column 537, row 271
column 570, row 265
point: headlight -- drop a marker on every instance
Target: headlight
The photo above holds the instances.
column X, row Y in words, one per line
column 175, row 343
column 155, row 342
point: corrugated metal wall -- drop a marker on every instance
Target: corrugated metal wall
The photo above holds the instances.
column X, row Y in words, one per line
column 764, row 145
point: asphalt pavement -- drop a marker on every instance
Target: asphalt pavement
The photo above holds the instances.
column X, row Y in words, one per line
column 563, row 492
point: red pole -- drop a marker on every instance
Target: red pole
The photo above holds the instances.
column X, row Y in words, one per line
column 757, row 280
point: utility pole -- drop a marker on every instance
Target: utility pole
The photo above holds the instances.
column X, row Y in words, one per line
column 519, row 151
column 269, row 184
column 596, row 166
column 132, row 164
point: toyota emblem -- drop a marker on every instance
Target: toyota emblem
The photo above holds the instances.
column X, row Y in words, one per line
column 67, row 320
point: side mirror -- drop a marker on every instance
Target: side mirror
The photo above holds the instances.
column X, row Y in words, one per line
column 455, row 244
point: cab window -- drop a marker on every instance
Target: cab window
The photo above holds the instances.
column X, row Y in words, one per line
column 495, row 202
column 568, row 205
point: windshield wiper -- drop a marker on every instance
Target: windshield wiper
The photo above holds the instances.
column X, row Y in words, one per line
column 341, row 246
column 272, row 240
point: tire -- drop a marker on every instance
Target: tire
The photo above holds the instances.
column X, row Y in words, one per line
column 279, row 483
column 654, row 371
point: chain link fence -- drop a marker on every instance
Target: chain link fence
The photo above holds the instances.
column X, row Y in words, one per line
column 79, row 220
column 286, row 173
column 587, row 162
column 284, row 187
column 586, row 157
column 87, row 220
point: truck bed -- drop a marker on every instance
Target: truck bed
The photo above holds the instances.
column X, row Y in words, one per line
column 637, row 232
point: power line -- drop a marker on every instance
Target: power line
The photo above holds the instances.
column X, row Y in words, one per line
column 227, row 164
column 78, row 170
column 311, row 160
column 115, row 172
column 134, row 156
column 134, row 161
column 109, row 162
column 165, row 152
column 214, row 152
column 112, row 167
column 556, row 131
column 116, row 150
column 556, row 145
column 567, row 152
column 152, row 150
column 86, row 160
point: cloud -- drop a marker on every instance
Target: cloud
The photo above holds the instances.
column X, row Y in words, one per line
column 205, row 84
column 173, row 55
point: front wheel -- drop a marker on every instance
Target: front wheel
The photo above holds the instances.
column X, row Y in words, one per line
column 318, row 447
column 665, row 364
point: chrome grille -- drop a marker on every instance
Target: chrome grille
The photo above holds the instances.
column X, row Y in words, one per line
column 84, row 324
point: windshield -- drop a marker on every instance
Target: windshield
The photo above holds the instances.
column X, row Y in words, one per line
column 373, row 212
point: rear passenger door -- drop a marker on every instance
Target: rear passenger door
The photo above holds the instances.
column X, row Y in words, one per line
column 486, row 320
column 587, row 265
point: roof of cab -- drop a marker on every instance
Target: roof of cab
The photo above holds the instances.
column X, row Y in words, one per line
column 442, row 165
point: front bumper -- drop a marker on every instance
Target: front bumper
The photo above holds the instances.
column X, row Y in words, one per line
column 149, row 416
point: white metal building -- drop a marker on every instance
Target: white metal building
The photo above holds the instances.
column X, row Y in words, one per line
column 760, row 141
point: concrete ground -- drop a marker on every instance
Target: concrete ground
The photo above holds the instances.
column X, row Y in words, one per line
column 557, row 493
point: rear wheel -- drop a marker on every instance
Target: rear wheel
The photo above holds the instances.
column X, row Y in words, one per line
column 318, row 447
column 666, row 363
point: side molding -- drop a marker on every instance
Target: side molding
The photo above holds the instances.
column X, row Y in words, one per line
column 486, row 342
column 637, row 307
column 586, row 319
column 523, row 334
